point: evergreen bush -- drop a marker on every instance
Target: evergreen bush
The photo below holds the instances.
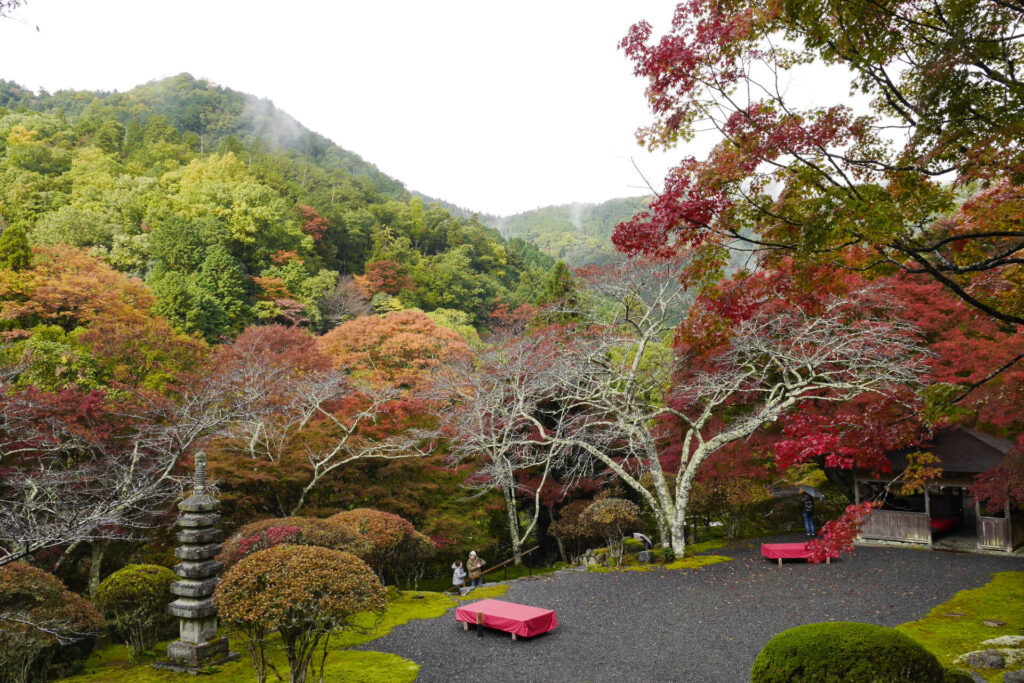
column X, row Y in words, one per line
column 136, row 597
column 845, row 652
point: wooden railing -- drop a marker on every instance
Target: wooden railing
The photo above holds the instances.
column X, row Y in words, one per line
column 894, row 525
column 511, row 559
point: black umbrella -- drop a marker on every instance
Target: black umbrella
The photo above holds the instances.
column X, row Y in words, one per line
column 811, row 491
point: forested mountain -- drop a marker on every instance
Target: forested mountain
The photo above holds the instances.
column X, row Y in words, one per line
column 233, row 213
column 579, row 234
column 219, row 117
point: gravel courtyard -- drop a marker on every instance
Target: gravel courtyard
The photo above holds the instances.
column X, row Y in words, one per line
column 688, row 625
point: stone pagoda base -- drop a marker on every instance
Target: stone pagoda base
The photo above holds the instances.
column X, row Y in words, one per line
column 199, row 646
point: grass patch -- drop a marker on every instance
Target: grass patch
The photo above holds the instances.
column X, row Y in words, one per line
column 625, row 568
column 697, row 561
column 113, row 664
column 1002, row 599
column 697, row 548
column 493, row 590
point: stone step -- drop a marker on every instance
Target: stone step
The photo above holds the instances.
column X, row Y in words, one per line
column 197, row 552
column 196, row 536
column 195, row 589
column 198, row 570
column 190, row 608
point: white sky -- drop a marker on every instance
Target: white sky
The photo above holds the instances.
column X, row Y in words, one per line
column 497, row 107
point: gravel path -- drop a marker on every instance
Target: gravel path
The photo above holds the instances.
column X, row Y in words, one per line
column 688, row 625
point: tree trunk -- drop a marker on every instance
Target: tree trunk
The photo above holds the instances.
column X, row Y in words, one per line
column 95, row 567
column 512, row 515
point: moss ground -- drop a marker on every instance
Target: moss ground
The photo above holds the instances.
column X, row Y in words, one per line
column 697, row 561
column 693, row 560
column 113, row 664
column 948, row 637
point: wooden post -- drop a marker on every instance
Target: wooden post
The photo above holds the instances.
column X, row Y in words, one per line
column 479, row 625
column 465, row 626
column 977, row 522
column 928, row 512
column 780, row 561
column 1009, row 528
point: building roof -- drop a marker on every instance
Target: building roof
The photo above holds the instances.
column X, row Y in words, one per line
column 961, row 450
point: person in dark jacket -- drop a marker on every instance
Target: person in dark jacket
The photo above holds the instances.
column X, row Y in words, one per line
column 807, row 510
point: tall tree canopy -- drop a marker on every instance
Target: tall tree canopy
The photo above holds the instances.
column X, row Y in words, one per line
column 941, row 196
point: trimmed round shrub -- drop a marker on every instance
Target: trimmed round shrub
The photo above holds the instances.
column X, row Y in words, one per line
column 843, row 651
column 269, row 533
column 32, row 596
column 136, row 598
column 395, row 548
column 302, row 592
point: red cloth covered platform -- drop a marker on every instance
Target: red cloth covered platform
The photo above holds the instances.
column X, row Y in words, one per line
column 519, row 620
column 789, row 551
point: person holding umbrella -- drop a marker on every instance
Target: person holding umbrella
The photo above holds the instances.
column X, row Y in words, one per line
column 807, row 509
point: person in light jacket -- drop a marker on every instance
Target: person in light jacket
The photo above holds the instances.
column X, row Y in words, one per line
column 474, row 565
column 459, row 576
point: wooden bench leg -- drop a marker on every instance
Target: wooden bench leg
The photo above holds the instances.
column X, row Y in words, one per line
column 513, row 636
column 479, row 625
column 780, row 561
column 465, row 626
column 828, row 560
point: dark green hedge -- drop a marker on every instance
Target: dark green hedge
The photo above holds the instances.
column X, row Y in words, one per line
column 846, row 652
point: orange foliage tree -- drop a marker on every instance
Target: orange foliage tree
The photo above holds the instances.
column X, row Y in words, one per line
column 384, row 276
column 399, row 349
column 101, row 311
column 296, row 420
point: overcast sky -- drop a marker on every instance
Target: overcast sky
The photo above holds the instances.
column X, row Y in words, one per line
column 496, row 107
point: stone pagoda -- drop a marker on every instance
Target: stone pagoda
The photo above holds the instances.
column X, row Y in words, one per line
column 198, row 645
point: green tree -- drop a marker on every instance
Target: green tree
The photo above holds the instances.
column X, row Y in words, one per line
column 187, row 306
column 14, row 250
column 222, row 276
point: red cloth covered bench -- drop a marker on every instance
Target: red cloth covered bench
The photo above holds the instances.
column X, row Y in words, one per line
column 942, row 524
column 789, row 551
column 519, row 620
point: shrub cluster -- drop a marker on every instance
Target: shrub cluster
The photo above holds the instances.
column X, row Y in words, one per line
column 301, row 592
column 44, row 615
column 310, row 531
column 396, row 549
column 611, row 518
column 847, row 652
column 136, row 597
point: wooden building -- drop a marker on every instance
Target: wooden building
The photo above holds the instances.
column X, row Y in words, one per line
column 945, row 510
